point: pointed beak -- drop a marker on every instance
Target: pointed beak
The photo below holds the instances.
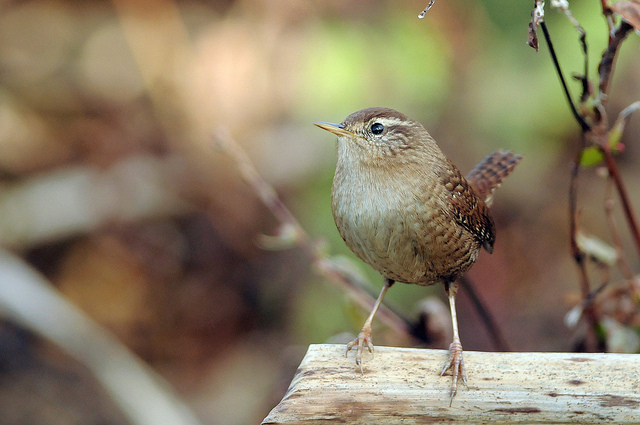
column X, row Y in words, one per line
column 337, row 129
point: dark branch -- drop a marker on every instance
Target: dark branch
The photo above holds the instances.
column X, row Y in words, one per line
column 605, row 69
column 579, row 256
column 586, row 92
column 579, row 118
column 499, row 342
column 624, row 196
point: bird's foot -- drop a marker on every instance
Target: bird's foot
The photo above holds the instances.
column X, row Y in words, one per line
column 456, row 364
column 364, row 338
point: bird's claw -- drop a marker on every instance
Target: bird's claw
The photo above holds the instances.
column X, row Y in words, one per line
column 364, row 338
column 456, row 364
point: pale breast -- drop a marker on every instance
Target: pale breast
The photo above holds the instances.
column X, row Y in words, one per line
column 402, row 232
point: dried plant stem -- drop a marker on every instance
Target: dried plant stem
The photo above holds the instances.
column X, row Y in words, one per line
column 615, row 235
column 605, row 69
column 495, row 333
column 579, row 118
column 605, row 72
column 624, row 196
column 584, row 78
column 578, row 255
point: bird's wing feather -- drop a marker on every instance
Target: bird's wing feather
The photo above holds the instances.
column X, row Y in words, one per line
column 468, row 209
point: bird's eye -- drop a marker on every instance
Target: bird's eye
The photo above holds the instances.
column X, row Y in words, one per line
column 377, row 128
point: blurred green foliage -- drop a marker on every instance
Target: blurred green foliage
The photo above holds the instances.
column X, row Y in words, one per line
column 352, row 64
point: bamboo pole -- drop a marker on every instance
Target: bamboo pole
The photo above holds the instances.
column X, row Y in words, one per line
column 404, row 386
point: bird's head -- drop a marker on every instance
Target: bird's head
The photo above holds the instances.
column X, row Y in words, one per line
column 381, row 136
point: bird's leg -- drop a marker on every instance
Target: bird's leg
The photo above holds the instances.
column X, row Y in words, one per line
column 365, row 334
column 455, row 362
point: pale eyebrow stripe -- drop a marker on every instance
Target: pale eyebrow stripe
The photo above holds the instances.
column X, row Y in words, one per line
column 386, row 121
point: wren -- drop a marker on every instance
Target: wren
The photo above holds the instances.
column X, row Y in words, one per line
column 406, row 210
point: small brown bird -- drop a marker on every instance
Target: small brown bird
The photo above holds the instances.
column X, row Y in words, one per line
column 407, row 211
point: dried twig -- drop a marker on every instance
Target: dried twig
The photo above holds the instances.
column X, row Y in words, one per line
column 579, row 256
column 579, row 118
column 499, row 342
column 623, row 194
column 609, row 203
column 563, row 6
column 537, row 16
column 605, row 69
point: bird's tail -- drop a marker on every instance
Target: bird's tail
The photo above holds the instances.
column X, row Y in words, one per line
column 489, row 173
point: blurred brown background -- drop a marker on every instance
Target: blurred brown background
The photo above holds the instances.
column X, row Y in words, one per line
column 112, row 187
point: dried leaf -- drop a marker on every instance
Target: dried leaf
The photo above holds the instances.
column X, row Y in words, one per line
column 537, row 16
column 597, row 249
column 533, row 37
column 629, row 10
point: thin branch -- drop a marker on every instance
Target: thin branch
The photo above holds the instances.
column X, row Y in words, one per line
column 579, row 118
column 499, row 343
column 584, row 78
column 586, row 91
column 563, row 6
column 576, row 252
column 615, row 235
column 608, row 16
column 605, row 69
column 623, row 194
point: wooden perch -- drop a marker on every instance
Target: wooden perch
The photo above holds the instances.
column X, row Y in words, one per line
column 404, row 386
